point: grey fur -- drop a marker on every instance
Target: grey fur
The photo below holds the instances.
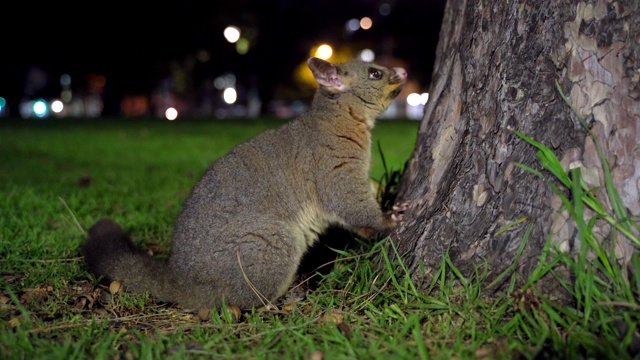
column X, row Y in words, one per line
column 256, row 211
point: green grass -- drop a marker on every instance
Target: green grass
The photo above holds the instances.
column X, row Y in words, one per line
column 59, row 177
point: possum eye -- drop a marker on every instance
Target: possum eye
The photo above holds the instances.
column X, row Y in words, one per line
column 375, row 74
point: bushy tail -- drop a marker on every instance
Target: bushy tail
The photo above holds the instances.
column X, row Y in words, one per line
column 110, row 253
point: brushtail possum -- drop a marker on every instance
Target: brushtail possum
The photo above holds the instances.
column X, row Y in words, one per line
column 246, row 224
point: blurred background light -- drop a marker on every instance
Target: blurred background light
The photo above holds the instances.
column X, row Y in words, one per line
column 171, row 114
column 40, row 108
column 353, row 25
column 416, row 103
column 424, row 97
column 225, row 81
column 242, row 46
column 66, row 95
column 367, row 55
column 65, row 80
column 57, row 106
column 413, row 99
column 384, row 9
column 229, row 95
column 3, row 103
column 219, row 83
column 230, row 80
column 194, row 78
column 232, row 34
column 203, row 56
column 366, row 23
column 324, row 51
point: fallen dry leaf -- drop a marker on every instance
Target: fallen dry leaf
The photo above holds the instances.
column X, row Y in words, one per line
column 334, row 316
column 115, row 287
column 204, row 314
column 81, row 303
column 36, row 294
column 235, row 311
column 14, row 322
column 315, row 355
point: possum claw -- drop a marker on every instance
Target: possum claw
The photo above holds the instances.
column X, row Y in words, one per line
column 398, row 210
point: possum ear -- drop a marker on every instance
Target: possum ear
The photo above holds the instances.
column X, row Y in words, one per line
column 325, row 73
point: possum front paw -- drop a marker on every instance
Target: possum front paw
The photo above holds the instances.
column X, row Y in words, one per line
column 397, row 212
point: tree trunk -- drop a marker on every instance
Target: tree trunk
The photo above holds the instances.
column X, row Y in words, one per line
column 497, row 63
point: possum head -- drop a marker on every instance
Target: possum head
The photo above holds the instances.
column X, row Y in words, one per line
column 365, row 85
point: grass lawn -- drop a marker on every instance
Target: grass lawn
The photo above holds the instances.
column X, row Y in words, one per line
column 58, row 177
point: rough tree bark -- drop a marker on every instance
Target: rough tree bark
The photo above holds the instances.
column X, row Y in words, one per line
column 496, row 67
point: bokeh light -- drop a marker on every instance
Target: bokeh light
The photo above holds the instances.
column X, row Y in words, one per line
column 225, row 81
column 65, row 80
column 57, row 106
column 232, row 34
column 229, row 95
column 353, row 25
column 66, row 95
column 324, row 51
column 366, row 23
column 367, row 55
column 242, row 46
column 171, row 114
column 203, row 56
column 413, row 99
column 384, row 9
column 416, row 105
column 40, row 108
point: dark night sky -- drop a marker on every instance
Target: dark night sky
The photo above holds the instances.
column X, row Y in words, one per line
column 133, row 43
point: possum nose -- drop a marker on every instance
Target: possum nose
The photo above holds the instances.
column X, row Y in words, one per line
column 401, row 72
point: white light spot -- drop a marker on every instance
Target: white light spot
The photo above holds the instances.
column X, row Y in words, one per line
column 413, row 99
column 57, row 106
column 229, row 95
column 424, row 97
column 171, row 114
column 232, row 34
column 367, row 55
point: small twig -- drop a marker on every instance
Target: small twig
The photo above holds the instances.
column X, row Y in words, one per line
column 262, row 298
column 332, row 262
column 89, row 321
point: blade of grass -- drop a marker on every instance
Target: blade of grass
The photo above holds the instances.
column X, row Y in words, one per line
column 614, row 197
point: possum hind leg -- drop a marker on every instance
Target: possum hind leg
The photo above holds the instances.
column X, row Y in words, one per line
column 267, row 262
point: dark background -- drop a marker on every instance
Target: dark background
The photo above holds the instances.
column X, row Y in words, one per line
column 134, row 44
